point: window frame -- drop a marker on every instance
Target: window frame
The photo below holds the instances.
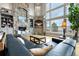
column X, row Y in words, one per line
column 59, row 17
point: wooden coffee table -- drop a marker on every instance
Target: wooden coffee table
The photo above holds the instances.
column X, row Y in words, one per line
column 38, row 39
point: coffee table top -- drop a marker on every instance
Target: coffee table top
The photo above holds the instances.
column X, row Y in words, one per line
column 38, row 36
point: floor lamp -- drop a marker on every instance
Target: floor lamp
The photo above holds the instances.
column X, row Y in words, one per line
column 64, row 25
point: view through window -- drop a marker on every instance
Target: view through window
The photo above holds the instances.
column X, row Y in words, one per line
column 55, row 13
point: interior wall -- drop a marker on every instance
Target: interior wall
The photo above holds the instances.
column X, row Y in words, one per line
column 31, row 13
column 13, row 7
column 7, row 6
column 39, row 15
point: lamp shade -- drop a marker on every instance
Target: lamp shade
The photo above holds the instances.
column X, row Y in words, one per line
column 64, row 24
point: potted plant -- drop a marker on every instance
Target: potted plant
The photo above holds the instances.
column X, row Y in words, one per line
column 74, row 18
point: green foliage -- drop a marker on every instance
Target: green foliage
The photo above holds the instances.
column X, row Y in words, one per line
column 74, row 16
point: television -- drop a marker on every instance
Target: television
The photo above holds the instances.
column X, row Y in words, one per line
column 22, row 28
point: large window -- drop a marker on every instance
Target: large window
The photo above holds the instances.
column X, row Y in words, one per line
column 47, row 15
column 55, row 5
column 48, row 25
column 67, row 9
column 55, row 16
column 53, row 10
column 48, row 6
column 56, row 25
column 58, row 12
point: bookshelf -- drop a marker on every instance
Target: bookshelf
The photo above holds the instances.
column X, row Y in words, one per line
column 6, row 20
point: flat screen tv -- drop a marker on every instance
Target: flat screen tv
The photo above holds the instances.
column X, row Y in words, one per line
column 22, row 28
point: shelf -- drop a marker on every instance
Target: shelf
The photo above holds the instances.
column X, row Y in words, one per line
column 6, row 20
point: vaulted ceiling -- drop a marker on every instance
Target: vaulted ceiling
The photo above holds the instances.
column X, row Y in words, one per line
column 34, row 9
column 37, row 9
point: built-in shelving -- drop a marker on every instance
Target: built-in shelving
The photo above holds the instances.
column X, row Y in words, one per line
column 6, row 20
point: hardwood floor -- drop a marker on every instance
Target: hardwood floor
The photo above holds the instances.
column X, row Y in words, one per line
column 77, row 49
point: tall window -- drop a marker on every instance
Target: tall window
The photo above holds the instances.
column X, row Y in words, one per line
column 55, row 5
column 48, row 25
column 67, row 9
column 55, row 16
column 58, row 12
column 47, row 15
column 48, row 6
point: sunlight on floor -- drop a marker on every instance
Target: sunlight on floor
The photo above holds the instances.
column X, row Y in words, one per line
column 77, row 49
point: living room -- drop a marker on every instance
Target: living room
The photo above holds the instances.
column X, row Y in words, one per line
column 39, row 29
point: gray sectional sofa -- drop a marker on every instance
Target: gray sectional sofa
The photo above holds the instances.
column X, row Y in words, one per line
column 16, row 48
column 65, row 48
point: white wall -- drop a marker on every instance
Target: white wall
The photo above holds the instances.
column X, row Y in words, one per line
column 6, row 5
column 31, row 9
